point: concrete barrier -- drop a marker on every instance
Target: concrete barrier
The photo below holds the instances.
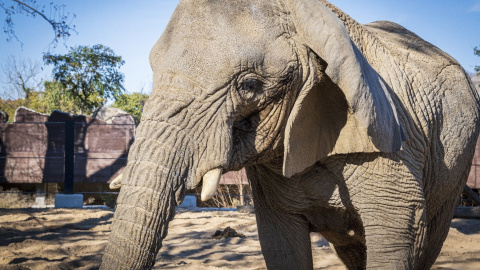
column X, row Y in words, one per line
column 190, row 201
column 69, row 201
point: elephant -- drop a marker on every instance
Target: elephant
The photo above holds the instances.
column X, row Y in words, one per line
column 363, row 133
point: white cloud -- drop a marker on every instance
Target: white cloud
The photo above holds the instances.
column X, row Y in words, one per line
column 475, row 7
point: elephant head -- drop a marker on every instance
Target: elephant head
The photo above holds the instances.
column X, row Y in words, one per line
column 238, row 83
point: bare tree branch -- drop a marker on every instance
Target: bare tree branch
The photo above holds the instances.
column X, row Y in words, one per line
column 60, row 22
column 34, row 11
column 21, row 78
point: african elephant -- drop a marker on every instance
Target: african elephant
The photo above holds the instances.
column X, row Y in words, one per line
column 364, row 133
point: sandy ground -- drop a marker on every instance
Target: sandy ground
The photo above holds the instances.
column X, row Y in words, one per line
column 75, row 239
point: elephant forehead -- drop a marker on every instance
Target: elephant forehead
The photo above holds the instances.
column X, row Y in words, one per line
column 212, row 40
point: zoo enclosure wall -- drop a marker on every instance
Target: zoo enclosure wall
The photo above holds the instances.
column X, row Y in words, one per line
column 34, row 152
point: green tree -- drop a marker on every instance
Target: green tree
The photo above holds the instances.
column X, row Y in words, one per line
column 35, row 102
column 54, row 98
column 9, row 106
column 131, row 103
column 58, row 18
column 89, row 75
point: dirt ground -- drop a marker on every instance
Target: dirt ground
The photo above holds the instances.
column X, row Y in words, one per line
column 75, row 239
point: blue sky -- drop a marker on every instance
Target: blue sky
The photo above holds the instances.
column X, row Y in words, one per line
column 131, row 28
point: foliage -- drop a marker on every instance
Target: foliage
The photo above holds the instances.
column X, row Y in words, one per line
column 56, row 98
column 60, row 20
column 9, row 107
column 84, row 79
column 89, row 75
column 131, row 103
column 53, row 98
column 36, row 102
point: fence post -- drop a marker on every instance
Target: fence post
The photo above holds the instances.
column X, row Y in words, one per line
column 68, row 199
column 69, row 156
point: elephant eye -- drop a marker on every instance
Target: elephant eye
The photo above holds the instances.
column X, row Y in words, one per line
column 249, row 87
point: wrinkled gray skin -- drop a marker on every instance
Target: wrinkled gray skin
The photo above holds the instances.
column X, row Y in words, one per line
column 364, row 133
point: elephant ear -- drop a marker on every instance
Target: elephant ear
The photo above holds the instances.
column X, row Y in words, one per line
column 347, row 111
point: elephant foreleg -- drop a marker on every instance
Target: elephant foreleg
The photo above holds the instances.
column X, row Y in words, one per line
column 395, row 232
column 284, row 237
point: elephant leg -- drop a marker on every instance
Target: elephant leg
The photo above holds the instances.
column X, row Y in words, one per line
column 393, row 243
column 285, row 239
column 391, row 203
column 395, row 231
column 437, row 232
column 284, row 236
column 438, row 228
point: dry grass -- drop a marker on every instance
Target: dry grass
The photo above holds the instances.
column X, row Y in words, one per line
column 13, row 198
column 227, row 196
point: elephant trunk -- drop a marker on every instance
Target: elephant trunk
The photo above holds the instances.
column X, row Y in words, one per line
column 153, row 184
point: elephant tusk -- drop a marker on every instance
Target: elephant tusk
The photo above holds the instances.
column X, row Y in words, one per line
column 117, row 182
column 210, row 183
